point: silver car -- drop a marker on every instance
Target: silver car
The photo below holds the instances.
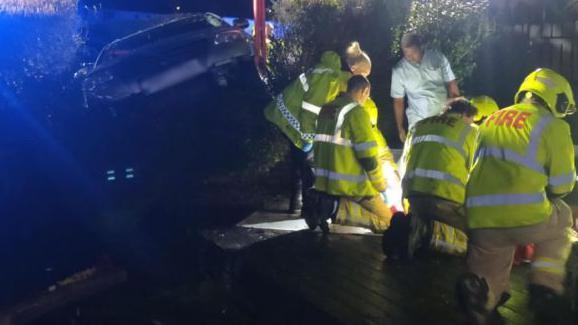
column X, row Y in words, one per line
column 166, row 55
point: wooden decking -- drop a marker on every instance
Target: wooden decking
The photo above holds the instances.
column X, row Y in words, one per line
column 305, row 277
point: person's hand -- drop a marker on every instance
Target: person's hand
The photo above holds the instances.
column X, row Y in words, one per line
column 307, row 146
column 402, row 135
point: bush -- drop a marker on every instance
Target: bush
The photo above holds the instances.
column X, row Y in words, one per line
column 310, row 27
column 456, row 27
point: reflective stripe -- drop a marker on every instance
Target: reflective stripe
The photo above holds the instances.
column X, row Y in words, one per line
column 464, row 135
column 509, row 155
column 364, row 145
column 339, row 177
column 505, row 199
column 535, row 137
column 341, row 118
column 303, row 79
column 562, row 179
column 435, row 174
column 311, row 108
column 447, row 247
column 293, row 121
column 345, row 142
column 322, row 70
column 549, row 265
column 333, row 139
column 441, row 140
column 528, row 160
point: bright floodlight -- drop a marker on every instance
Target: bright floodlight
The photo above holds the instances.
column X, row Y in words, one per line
column 37, row 7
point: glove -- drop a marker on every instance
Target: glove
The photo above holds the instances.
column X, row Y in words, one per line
column 307, row 146
column 377, row 180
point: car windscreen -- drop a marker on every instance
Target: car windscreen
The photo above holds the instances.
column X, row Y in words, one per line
column 196, row 23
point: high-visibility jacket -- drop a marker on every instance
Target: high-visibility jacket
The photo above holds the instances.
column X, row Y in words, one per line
column 295, row 110
column 525, row 153
column 371, row 108
column 438, row 157
column 344, row 135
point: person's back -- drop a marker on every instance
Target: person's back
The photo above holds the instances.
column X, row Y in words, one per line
column 346, row 154
column 343, row 136
column 523, row 151
column 525, row 165
column 439, row 155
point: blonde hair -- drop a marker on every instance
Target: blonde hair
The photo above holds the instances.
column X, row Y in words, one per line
column 354, row 55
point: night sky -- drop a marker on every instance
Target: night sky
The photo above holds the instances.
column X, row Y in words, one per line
column 242, row 8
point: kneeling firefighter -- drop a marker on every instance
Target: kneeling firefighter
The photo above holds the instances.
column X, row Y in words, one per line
column 525, row 165
column 351, row 213
column 438, row 154
column 346, row 152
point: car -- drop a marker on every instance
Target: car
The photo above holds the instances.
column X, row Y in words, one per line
column 166, row 55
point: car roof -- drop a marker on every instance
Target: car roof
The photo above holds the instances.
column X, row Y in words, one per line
column 211, row 18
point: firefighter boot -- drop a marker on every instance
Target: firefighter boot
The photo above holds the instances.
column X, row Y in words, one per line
column 472, row 297
column 394, row 240
column 548, row 306
column 419, row 236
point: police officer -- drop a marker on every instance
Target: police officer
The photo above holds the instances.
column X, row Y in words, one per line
column 525, row 165
column 296, row 109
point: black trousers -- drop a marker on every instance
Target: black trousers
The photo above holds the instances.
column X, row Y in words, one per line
column 302, row 177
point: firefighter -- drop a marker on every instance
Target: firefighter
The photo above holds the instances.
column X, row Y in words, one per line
column 525, row 165
column 349, row 211
column 346, row 153
column 438, row 158
column 295, row 110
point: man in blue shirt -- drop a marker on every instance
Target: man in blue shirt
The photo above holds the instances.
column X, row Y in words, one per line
column 426, row 78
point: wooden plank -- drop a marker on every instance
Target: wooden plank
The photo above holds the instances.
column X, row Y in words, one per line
column 351, row 270
column 65, row 292
column 317, row 273
column 311, row 291
column 375, row 293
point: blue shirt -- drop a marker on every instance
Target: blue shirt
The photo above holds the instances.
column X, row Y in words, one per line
column 424, row 84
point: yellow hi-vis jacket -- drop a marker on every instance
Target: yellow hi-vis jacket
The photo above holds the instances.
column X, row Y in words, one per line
column 438, row 155
column 344, row 135
column 524, row 153
column 295, row 110
column 384, row 152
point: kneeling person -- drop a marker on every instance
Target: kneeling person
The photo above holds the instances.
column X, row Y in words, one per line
column 346, row 154
column 438, row 158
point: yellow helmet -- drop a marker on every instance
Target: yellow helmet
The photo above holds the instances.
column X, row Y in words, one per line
column 552, row 88
column 486, row 106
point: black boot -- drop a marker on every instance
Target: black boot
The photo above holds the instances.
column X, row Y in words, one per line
column 472, row 297
column 309, row 209
column 548, row 306
column 419, row 236
column 394, row 240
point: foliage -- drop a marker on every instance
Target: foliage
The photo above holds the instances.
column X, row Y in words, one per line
column 456, row 27
column 310, row 27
